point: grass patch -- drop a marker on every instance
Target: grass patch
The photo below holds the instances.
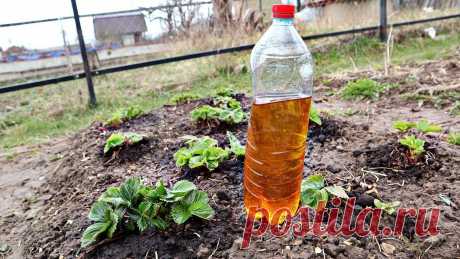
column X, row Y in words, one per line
column 36, row 115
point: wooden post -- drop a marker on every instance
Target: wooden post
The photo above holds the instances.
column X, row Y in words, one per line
column 383, row 21
column 84, row 56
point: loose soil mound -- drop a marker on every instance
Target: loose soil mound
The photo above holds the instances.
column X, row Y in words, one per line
column 354, row 151
column 85, row 173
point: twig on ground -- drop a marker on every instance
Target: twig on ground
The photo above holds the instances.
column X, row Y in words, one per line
column 215, row 249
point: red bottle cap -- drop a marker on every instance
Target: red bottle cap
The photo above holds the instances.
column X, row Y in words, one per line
column 283, row 11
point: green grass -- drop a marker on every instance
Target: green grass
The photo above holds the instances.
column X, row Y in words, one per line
column 36, row 115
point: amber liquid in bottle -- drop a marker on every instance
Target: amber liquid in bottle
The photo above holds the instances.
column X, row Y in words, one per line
column 275, row 151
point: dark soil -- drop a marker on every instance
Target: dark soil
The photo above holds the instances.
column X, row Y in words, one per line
column 358, row 152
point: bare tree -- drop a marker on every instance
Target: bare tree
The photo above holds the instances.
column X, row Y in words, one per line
column 222, row 11
column 178, row 15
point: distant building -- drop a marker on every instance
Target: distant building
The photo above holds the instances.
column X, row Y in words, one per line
column 124, row 29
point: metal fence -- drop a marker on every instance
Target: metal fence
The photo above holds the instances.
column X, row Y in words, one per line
column 103, row 25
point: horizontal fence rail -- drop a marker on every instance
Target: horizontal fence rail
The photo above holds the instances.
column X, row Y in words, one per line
column 202, row 54
column 142, row 9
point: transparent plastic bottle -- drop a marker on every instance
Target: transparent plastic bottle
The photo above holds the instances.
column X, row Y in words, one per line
column 282, row 75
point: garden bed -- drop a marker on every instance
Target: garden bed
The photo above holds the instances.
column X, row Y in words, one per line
column 357, row 150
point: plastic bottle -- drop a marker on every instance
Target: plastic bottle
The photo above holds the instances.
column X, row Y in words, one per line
column 282, row 75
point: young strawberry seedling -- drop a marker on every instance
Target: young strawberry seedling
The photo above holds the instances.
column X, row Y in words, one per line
column 184, row 98
column 454, row 138
column 117, row 140
column 124, row 115
column 225, row 92
column 388, row 207
column 200, row 152
column 415, row 145
column 362, row 89
column 136, row 206
column 314, row 191
column 424, row 126
column 403, row 126
column 229, row 111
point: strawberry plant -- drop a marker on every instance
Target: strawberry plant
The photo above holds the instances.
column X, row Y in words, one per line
column 426, row 127
column 314, row 116
column 137, row 207
column 184, row 98
column 229, row 111
column 454, row 138
column 403, row 126
column 124, row 115
column 362, row 89
column 414, row 145
column 388, row 207
column 200, row 152
column 314, row 191
column 235, row 146
column 225, row 92
column 117, row 140
column 227, row 102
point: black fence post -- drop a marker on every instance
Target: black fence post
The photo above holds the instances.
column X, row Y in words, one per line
column 84, row 56
column 383, row 21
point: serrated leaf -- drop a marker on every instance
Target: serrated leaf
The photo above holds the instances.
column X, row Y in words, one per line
column 180, row 213
column 99, row 211
column 314, row 116
column 388, row 207
column 415, row 145
column 445, row 199
column 315, row 182
column 129, row 190
column 142, row 224
column 112, row 196
column 133, row 138
column 235, row 145
column 114, row 218
column 427, row 127
column 337, row 191
column 201, row 210
column 454, row 138
column 403, row 126
column 92, row 232
column 182, row 187
column 115, row 140
column 159, row 223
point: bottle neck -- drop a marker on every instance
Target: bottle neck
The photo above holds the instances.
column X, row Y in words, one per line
column 283, row 21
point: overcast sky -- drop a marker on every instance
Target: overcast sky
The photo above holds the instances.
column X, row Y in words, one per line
column 45, row 35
